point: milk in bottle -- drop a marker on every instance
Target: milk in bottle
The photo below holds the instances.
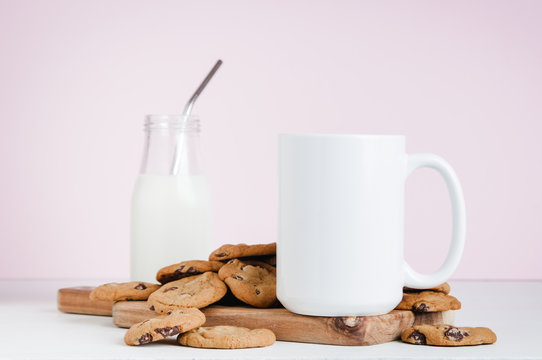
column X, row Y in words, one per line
column 171, row 212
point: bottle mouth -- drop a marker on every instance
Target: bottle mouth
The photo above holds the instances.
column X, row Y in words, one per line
column 177, row 122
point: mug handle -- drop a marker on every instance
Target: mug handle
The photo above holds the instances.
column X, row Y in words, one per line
column 413, row 278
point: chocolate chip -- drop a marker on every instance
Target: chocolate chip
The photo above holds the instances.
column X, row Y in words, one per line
column 192, row 270
column 221, row 255
column 258, row 291
column 231, row 261
column 145, row 339
column 170, row 288
column 167, row 331
column 151, row 308
column 180, row 269
column 418, row 337
column 128, row 299
column 164, row 279
column 455, row 334
column 169, row 312
column 140, row 286
column 421, row 308
column 237, row 277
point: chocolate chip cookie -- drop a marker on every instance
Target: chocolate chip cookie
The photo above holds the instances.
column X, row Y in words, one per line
column 173, row 323
column 185, row 269
column 195, row 291
column 252, row 282
column 448, row 335
column 135, row 290
column 229, row 251
column 428, row 301
column 443, row 288
column 227, row 337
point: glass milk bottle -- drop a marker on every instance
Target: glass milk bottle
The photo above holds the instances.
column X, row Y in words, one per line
column 171, row 203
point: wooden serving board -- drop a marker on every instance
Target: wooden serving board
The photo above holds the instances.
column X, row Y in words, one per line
column 287, row 326
column 76, row 300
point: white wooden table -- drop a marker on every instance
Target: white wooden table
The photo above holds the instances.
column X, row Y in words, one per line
column 32, row 328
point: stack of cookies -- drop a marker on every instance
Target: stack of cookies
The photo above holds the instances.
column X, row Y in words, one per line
column 249, row 272
column 246, row 271
column 428, row 300
column 439, row 299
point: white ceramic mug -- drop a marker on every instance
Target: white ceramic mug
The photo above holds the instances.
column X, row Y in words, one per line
column 341, row 223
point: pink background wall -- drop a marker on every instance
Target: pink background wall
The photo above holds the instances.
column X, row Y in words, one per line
column 462, row 79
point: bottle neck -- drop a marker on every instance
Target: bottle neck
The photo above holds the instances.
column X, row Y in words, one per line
column 171, row 146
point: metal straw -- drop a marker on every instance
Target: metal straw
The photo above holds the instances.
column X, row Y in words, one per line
column 186, row 114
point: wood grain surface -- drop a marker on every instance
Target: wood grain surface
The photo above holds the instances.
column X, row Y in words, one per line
column 287, row 326
column 75, row 300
